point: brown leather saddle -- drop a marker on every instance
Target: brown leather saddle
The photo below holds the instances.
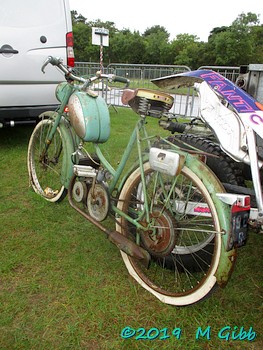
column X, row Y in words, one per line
column 147, row 102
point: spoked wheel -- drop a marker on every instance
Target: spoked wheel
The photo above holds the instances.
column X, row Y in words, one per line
column 45, row 167
column 182, row 235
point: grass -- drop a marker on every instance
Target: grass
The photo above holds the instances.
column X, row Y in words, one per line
column 64, row 286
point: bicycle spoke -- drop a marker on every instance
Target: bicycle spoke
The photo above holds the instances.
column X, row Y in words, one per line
column 180, row 212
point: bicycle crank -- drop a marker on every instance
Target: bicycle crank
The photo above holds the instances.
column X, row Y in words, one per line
column 121, row 241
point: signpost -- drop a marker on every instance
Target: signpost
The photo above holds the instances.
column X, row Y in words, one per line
column 100, row 36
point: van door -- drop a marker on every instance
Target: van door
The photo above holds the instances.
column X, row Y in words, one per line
column 30, row 31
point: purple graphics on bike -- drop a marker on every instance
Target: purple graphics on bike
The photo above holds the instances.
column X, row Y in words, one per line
column 237, row 97
column 250, row 110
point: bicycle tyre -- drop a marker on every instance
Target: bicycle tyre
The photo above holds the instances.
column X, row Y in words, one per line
column 45, row 170
column 178, row 285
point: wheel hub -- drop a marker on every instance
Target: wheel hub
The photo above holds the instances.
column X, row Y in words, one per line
column 80, row 191
column 98, row 202
column 160, row 239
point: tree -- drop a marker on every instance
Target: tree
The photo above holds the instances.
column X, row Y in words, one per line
column 156, row 29
column 82, row 31
column 234, row 45
column 82, row 42
column 156, row 41
column 217, row 30
column 127, row 47
column 244, row 21
column 257, row 38
column 76, row 18
column 185, row 49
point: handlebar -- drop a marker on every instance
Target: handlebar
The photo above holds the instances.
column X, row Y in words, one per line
column 52, row 60
column 58, row 62
column 113, row 77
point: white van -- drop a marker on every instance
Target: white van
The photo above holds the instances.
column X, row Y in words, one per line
column 30, row 31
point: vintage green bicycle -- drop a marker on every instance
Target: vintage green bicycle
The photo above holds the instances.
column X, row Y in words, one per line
column 172, row 217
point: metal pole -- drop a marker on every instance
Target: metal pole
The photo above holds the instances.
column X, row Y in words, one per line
column 101, row 54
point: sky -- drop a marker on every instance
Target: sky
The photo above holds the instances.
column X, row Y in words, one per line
column 177, row 17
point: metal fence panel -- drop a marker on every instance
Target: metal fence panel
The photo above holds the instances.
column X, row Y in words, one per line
column 87, row 69
column 140, row 76
column 231, row 73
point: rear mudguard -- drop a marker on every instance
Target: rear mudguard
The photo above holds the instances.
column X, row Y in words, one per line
column 213, row 185
column 70, row 142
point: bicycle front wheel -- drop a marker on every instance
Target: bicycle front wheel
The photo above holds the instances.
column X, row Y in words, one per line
column 182, row 235
column 45, row 167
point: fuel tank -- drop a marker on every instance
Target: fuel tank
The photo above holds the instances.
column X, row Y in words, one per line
column 89, row 116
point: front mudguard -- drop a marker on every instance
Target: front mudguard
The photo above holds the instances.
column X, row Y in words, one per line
column 213, row 185
column 70, row 142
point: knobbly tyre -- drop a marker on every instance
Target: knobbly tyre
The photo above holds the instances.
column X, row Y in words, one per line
column 173, row 218
column 229, row 131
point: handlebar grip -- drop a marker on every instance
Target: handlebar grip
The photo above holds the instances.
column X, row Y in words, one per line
column 56, row 61
column 121, row 80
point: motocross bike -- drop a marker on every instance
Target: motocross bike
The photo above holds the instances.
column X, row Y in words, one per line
column 229, row 131
column 173, row 219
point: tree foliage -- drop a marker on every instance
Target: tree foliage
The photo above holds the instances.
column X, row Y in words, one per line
column 238, row 44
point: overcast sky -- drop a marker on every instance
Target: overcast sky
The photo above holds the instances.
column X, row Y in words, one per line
column 178, row 17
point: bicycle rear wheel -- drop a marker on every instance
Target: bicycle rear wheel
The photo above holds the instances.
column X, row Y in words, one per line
column 45, row 168
column 182, row 214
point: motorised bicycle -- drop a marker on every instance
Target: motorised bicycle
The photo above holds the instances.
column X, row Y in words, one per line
column 174, row 222
column 229, row 130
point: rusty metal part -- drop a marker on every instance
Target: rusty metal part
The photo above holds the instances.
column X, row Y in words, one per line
column 121, row 241
column 162, row 236
column 226, row 267
column 80, row 191
column 98, row 202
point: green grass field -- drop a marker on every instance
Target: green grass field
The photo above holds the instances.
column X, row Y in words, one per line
column 64, row 286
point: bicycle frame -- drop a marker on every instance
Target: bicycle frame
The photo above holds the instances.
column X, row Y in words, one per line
column 117, row 174
column 228, row 256
column 165, row 193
